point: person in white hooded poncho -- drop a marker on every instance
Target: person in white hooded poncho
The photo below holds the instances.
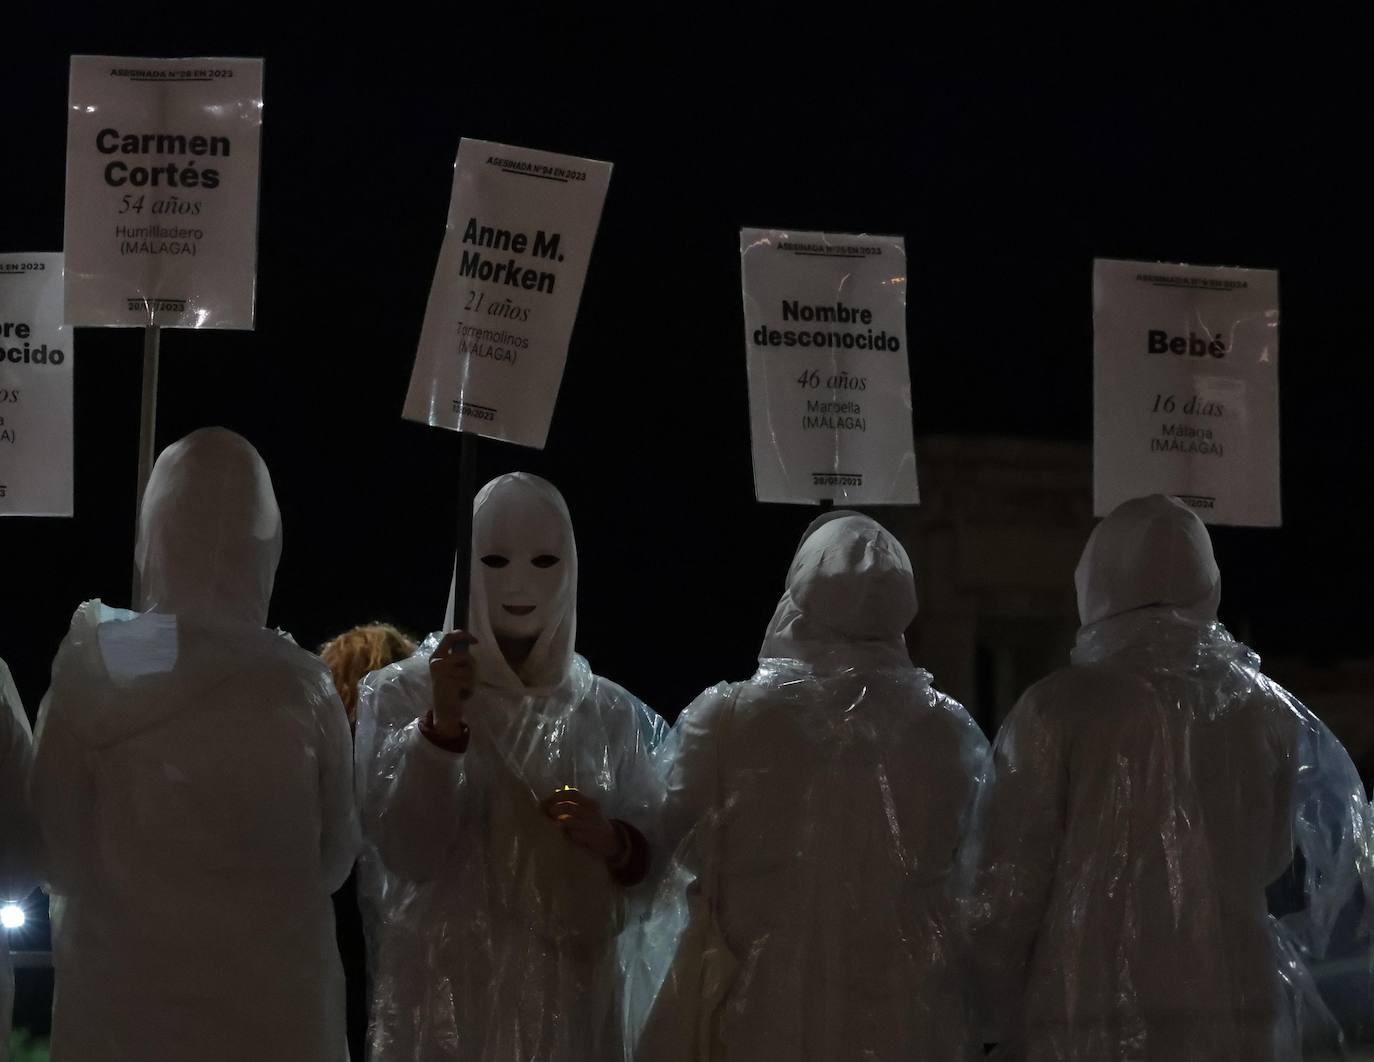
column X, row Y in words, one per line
column 193, row 782
column 1142, row 800
column 492, row 926
column 817, row 810
column 19, row 840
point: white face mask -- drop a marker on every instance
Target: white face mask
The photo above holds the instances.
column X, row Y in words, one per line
column 522, row 561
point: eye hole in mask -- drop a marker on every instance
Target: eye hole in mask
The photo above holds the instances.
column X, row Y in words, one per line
column 495, row 560
column 544, row 560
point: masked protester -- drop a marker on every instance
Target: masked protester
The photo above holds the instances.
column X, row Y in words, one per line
column 19, row 840
column 493, row 893
column 818, row 808
column 1143, row 798
column 193, row 782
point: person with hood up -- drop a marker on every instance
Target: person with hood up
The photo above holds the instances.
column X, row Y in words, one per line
column 817, row 809
column 493, row 894
column 19, row 839
column 1142, row 800
column 193, row 782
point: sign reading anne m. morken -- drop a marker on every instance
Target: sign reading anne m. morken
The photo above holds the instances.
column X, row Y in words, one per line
column 829, row 385
column 1186, row 388
column 506, row 289
column 162, row 191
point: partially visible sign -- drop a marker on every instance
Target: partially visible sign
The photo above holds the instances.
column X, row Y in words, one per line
column 162, row 191
column 35, row 388
column 829, row 385
column 501, row 309
column 1186, row 388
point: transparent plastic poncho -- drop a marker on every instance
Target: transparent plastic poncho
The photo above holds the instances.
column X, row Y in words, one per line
column 816, row 810
column 1142, row 800
column 491, row 935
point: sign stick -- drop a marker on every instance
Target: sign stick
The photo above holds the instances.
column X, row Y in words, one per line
column 147, row 433
column 462, row 571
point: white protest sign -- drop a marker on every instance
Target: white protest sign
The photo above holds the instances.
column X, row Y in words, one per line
column 829, row 386
column 1186, row 388
column 505, row 293
column 162, row 191
column 35, row 388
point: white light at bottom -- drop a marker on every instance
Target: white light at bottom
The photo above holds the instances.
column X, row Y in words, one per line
column 12, row 916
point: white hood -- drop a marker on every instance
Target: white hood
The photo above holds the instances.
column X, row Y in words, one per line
column 850, row 583
column 1149, row 552
column 521, row 518
column 209, row 532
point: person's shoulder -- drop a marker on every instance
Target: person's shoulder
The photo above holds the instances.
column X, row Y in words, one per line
column 394, row 695
column 400, row 675
column 617, row 704
column 1104, row 675
column 615, row 697
column 269, row 660
column 1273, row 701
column 713, row 699
column 277, row 647
column 1264, row 688
column 79, row 652
column 1075, row 687
column 947, row 711
column 589, row 687
column 11, row 706
column 90, row 615
column 742, row 702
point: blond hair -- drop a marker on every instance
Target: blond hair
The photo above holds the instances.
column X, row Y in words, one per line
column 355, row 652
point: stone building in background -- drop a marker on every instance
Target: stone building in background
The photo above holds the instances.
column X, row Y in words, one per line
column 995, row 541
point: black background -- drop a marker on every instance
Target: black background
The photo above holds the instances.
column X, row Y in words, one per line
column 1009, row 150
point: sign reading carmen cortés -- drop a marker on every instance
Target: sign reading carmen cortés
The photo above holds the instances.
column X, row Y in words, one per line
column 1186, row 388
column 506, row 290
column 162, row 191
column 35, row 388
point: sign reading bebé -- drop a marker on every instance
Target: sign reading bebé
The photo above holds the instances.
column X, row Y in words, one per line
column 1186, row 389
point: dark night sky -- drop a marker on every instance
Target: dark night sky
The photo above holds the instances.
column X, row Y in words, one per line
column 1008, row 154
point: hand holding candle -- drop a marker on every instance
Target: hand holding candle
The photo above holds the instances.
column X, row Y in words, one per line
column 583, row 823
